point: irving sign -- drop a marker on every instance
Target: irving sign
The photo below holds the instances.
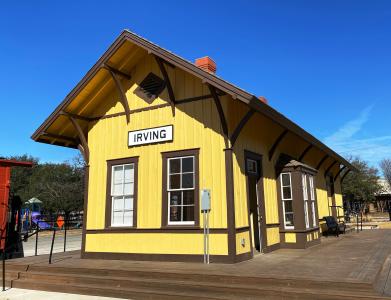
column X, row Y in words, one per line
column 150, row 136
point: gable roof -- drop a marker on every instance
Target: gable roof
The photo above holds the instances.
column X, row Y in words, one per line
column 219, row 83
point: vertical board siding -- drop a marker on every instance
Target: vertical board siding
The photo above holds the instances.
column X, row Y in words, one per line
column 273, row 236
column 258, row 141
column 290, row 237
column 196, row 125
column 313, row 158
column 173, row 243
column 240, row 248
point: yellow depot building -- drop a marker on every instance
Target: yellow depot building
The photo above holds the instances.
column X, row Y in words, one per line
column 157, row 131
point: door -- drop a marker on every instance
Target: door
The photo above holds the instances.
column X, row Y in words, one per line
column 255, row 201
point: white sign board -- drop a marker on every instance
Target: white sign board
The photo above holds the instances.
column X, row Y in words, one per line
column 150, row 136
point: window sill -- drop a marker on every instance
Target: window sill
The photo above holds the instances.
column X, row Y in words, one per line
column 173, row 227
column 299, row 230
column 119, row 228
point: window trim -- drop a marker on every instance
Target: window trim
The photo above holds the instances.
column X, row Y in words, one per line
column 313, row 199
column 165, row 218
column 283, row 200
column 180, row 189
column 306, row 199
column 110, row 164
column 249, row 172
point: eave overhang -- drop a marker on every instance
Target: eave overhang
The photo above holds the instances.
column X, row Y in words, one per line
column 207, row 78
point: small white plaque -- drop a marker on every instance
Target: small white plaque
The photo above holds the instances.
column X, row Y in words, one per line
column 150, row 136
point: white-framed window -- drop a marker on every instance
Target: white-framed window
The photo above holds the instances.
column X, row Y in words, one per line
column 305, row 198
column 181, row 190
column 312, row 199
column 122, row 195
column 252, row 166
column 287, row 199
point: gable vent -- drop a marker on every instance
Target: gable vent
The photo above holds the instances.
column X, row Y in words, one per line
column 150, row 88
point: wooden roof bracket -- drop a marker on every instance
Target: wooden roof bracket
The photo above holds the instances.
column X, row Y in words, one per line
column 276, row 143
column 83, row 152
column 191, row 99
column 344, row 175
column 220, row 110
column 322, row 161
column 339, row 172
column 122, row 95
column 241, row 125
column 329, row 168
column 60, row 137
column 303, row 154
column 83, row 140
column 117, row 72
column 82, row 118
column 170, row 90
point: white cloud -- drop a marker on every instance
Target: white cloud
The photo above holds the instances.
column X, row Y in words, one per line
column 370, row 149
column 350, row 128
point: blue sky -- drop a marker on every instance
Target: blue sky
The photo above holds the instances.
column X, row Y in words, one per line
column 324, row 64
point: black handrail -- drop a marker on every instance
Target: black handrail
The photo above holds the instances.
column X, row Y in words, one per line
column 51, row 248
column 25, row 238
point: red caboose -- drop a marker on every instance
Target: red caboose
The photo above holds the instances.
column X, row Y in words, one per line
column 5, row 174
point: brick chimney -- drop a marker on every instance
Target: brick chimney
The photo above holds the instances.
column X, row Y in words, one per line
column 263, row 99
column 206, row 64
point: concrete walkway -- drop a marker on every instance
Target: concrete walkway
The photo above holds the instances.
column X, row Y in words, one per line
column 21, row 294
column 45, row 240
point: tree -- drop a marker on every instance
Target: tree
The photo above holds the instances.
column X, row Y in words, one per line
column 361, row 186
column 385, row 165
column 58, row 186
column 20, row 177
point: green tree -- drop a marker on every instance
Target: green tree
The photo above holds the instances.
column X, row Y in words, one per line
column 362, row 185
column 385, row 165
column 20, row 176
column 59, row 186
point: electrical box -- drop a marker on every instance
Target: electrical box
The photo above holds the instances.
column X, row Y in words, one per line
column 205, row 199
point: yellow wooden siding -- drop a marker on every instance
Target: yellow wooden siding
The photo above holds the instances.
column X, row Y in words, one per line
column 290, row 237
column 309, row 237
column 240, row 248
column 323, row 203
column 168, row 243
column 273, row 236
column 257, row 141
column 196, row 125
column 270, row 195
column 338, row 195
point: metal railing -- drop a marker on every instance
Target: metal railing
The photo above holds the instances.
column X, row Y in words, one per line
column 37, row 229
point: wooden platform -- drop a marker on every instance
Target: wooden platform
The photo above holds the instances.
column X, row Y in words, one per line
column 354, row 266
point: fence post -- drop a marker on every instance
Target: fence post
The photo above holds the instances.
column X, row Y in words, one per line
column 357, row 222
column 51, row 248
column 36, row 239
column 2, row 257
column 5, row 243
column 4, row 269
column 65, row 232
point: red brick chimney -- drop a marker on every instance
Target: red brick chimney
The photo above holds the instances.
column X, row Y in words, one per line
column 263, row 99
column 206, row 64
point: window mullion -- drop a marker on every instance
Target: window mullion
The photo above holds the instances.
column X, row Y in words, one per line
column 123, row 179
column 180, row 173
